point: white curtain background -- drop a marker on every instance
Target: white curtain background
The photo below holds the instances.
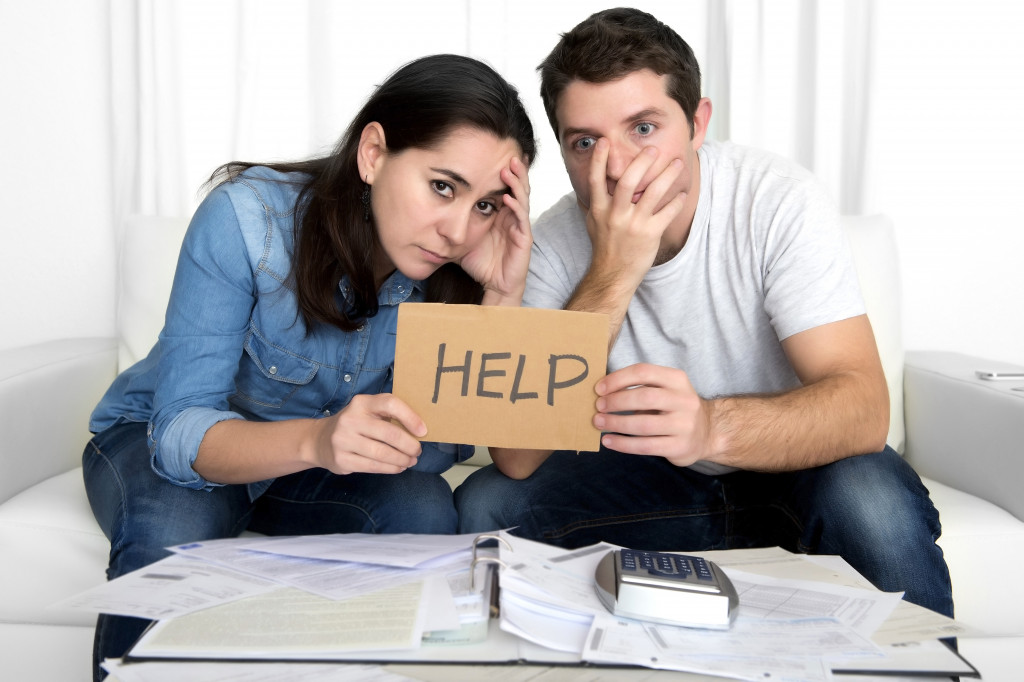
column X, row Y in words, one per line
column 118, row 107
column 197, row 83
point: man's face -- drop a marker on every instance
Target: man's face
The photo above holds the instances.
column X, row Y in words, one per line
column 632, row 113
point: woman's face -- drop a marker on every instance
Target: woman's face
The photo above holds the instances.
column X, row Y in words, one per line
column 432, row 206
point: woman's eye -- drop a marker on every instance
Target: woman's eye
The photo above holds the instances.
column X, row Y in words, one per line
column 486, row 207
column 584, row 144
column 644, row 128
column 443, row 188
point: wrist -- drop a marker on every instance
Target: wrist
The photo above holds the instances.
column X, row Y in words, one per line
column 494, row 297
column 312, row 433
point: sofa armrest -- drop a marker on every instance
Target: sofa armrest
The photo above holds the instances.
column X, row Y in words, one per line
column 47, row 392
column 965, row 432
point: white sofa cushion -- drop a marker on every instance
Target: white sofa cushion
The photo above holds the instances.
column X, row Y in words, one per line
column 986, row 594
column 52, row 549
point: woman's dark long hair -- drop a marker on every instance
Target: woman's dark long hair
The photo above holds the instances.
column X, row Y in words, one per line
column 417, row 106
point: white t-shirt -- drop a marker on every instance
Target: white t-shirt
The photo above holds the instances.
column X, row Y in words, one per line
column 765, row 259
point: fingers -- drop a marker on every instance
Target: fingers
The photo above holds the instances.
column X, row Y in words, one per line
column 517, row 177
column 375, row 434
column 629, row 182
column 597, row 177
column 653, row 445
column 640, row 374
column 644, row 400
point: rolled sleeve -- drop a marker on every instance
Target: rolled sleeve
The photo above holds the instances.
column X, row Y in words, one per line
column 173, row 456
column 436, row 458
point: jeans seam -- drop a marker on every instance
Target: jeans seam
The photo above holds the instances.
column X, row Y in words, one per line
column 358, row 507
column 620, row 520
column 120, row 522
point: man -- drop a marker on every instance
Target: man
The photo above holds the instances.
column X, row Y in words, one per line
column 745, row 403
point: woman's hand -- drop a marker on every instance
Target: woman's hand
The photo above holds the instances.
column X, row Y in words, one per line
column 500, row 262
column 363, row 438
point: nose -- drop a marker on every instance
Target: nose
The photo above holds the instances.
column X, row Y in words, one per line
column 454, row 227
column 619, row 156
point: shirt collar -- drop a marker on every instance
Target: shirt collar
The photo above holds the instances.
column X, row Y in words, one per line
column 397, row 288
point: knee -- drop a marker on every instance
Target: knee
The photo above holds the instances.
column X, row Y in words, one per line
column 877, row 501
column 483, row 501
column 422, row 504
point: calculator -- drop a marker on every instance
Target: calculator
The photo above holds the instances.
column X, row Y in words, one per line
column 675, row 589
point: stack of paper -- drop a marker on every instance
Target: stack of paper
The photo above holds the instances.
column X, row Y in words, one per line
column 819, row 618
column 377, row 598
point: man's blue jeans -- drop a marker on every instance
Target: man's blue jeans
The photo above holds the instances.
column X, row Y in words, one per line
column 142, row 514
column 872, row 510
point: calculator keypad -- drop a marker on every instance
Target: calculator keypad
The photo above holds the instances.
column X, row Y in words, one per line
column 674, row 566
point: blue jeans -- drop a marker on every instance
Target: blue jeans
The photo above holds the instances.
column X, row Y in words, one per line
column 872, row 510
column 142, row 514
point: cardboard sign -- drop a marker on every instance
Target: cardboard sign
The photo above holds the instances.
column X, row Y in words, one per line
column 501, row 376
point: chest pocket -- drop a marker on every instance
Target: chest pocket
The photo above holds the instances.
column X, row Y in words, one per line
column 269, row 376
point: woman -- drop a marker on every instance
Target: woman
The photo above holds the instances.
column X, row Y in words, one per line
column 266, row 402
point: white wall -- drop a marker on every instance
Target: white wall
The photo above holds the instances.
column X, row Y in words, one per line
column 948, row 167
column 945, row 143
column 57, row 278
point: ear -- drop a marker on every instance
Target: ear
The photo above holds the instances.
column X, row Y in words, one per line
column 371, row 151
column 701, row 119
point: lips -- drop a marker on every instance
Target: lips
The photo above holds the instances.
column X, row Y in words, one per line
column 433, row 257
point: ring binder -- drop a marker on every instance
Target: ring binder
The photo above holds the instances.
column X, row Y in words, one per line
column 485, row 559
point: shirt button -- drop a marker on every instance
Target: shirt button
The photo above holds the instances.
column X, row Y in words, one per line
column 347, row 378
column 401, row 289
column 273, row 369
column 327, row 413
column 361, row 328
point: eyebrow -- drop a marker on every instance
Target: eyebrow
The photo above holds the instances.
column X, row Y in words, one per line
column 650, row 112
column 457, row 178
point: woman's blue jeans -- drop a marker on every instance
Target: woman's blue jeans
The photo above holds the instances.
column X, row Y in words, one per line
column 142, row 514
column 872, row 510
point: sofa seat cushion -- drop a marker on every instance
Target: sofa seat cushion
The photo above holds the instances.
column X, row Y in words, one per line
column 53, row 549
column 982, row 544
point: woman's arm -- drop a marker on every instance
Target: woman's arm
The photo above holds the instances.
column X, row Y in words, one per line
column 360, row 438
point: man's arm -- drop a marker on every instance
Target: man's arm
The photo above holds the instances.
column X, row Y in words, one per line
column 842, row 408
column 625, row 238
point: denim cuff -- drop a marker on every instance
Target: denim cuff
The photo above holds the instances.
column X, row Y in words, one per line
column 436, row 458
column 173, row 456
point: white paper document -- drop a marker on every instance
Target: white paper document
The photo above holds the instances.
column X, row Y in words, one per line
column 623, row 641
column 251, row 672
column 329, row 578
column 291, row 624
column 407, row 550
column 171, row 587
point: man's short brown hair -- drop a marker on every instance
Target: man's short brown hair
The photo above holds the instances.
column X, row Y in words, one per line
column 612, row 44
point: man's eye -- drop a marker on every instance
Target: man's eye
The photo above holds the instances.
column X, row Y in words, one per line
column 442, row 188
column 584, row 144
column 644, row 128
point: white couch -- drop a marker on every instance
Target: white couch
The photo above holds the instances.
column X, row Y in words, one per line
column 964, row 435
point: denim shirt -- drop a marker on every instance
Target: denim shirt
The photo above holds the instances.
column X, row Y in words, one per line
column 234, row 345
